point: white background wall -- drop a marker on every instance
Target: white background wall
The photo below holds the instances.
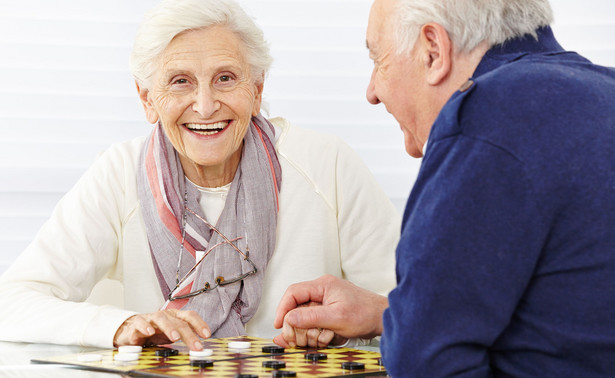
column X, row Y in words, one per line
column 66, row 93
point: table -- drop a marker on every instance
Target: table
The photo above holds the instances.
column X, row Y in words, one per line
column 15, row 361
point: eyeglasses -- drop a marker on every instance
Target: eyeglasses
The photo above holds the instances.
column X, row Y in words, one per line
column 219, row 281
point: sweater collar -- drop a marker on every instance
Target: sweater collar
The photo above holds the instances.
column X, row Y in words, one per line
column 516, row 48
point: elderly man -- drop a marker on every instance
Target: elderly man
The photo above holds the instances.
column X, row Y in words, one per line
column 506, row 263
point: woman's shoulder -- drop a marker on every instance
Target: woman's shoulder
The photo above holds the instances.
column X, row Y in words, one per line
column 298, row 140
column 128, row 147
column 315, row 154
column 119, row 161
column 125, row 152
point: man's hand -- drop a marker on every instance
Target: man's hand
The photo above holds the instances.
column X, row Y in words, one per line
column 346, row 309
column 313, row 337
column 163, row 327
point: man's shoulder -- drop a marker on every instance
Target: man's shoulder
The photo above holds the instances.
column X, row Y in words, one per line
column 537, row 77
column 526, row 105
column 534, row 92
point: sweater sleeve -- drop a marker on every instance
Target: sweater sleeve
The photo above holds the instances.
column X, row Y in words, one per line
column 368, row 223
column 42, row 294
column 470, row 241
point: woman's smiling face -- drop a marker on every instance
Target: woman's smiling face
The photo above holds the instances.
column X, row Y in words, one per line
column 204, row 94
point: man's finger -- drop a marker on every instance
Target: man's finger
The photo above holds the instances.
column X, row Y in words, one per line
column 295, row 295
column 312, row 317
column 325, row 338
column 312, row 336
column 289, row 335
column 279, row 339
column 301, row 337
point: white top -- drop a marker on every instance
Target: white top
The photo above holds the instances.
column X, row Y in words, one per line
column 212, row 201
column 333, row 219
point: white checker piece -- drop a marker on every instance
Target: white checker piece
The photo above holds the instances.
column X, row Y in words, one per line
column 126, row 357
column 201, row 353
column 130, row 349
column 239, row 344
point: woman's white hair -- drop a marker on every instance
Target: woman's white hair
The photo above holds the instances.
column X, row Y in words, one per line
column 172, row 17
column 471, row 22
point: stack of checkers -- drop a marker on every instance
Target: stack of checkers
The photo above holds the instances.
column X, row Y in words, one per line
column 199, row 358
column 239, row 357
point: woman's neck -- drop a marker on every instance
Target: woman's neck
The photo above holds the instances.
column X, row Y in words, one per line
column 211, row 176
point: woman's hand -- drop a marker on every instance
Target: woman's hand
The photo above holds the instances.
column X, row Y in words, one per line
column 163, row 327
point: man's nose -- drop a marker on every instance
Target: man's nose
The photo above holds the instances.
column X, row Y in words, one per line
column 371, row 95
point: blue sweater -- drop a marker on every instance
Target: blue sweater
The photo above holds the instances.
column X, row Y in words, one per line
column 506, row 264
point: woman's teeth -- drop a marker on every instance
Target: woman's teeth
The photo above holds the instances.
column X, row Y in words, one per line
column 207, row 129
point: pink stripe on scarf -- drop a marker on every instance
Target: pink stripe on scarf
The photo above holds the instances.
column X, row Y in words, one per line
column 166, row 216
column 178, row 304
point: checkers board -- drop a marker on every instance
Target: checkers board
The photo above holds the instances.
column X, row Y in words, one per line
column 256, row 361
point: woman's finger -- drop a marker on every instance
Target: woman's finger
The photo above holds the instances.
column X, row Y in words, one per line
column 163, row 327
column 166, row 323
column 194, row 320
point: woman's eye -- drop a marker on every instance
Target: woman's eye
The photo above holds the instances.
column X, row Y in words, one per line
column 226, row 78
column 180, row 81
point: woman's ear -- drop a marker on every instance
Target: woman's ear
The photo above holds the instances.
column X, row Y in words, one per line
column 258, row 97
column 150, row 113
column 436, row 52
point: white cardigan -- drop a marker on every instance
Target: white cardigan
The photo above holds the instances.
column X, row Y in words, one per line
column 333, row 219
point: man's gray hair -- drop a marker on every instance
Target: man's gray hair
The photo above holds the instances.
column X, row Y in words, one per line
column 471, row 22
column 172, row 17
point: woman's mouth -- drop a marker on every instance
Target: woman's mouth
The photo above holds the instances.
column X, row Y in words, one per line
column 207, row 129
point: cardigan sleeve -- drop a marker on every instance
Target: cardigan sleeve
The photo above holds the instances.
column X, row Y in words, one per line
column 368, row 225
column 470, row 241
column 42, row 294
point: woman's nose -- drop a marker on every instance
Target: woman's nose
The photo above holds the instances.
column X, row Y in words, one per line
column 205, row 102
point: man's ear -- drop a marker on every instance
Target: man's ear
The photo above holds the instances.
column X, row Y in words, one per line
column 150, row 113
column 436, row 52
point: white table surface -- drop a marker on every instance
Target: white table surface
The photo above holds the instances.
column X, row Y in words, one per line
column 15, row 361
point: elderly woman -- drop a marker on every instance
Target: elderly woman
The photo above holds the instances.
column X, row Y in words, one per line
column 210, row 218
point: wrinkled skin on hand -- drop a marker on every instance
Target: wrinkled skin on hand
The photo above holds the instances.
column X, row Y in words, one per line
column 335, row 305
column 313, row 337
column 163, row 327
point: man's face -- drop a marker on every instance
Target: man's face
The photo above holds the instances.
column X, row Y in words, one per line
column 398, row 81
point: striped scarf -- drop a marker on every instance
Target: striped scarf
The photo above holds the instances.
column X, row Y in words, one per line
column 250, row 213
